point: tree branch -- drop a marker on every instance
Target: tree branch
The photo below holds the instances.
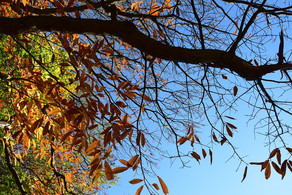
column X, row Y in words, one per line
column 128, row 32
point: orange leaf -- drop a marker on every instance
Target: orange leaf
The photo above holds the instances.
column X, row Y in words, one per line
column 235, row 90
column 235, row 31
column 123, row 162
column 132, row 160
column 244, row 174
column 66, row 135
column 163, row 185
column 268, row 171
column 108, row 171
column 156, row 186
column 135, row 181
column 119, row 169
column 145, row 97
column 138, row 192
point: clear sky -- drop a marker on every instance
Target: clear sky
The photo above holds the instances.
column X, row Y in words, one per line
column 221, row 178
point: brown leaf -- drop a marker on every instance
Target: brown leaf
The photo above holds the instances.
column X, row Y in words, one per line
column 138, row 192
column 156, row 186
column 273, row 153
column 223, row 76
column 135, row 181
column 235, row 90
column 268, row 171
column 163, row 185
column 108, row 171
column 276, row 167
column 229, row 131
column 215, row 138
column 132, row 160
column 196, row 156
column 123, row 162
column 264, row 165
column 244, row 174
column 283, row 168
column 211, row 157
column 145, row 97
column 204, row 153
column 231, row 126
column 289, row 150
column 279, row 156
column 121, row 104
column 119, row 169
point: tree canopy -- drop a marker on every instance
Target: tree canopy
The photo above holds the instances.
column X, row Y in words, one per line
column 96, row 87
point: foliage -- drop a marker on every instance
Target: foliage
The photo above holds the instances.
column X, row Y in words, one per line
column 103, row 80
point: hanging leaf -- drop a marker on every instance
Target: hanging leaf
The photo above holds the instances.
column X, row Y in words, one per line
column 235, row 90
column 132, row 160
column 138, row 192
column 273, row 153
column 163, row 185
column 108, row 171
column 276, row 167
column 229, row 131
column 244, row 174
column 119, row 169
column 196, row 156
column 135, row 181
column 156, row 186
column 268, row 171
column 283, row 168
column 279, row 157
column 211, row 157
column 204, row 153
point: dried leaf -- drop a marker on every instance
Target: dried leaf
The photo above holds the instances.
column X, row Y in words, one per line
column 108, row 171
column 283, row 168
column 196, row 156
column 279, row 156
column 235, row 90
column 119, row 169
column 156, row 186
column 132, row 160
column 268, row 171
column 214, row 137
column 211, row 157
column 138, row 192
column 135, row 181
column 276, row 168
column 273, row 153
column 264, row 165
column 229, row 131
column 244, row 174
column 231, row 126
column 163, row 185
column 204, row 153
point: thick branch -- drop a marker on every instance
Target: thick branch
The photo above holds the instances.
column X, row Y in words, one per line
column 130, row 34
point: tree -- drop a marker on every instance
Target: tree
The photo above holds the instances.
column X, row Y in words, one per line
column 146, row 72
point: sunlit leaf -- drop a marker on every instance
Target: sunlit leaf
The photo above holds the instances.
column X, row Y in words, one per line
column 135, row 181
column 138, row 192
column 163, row 185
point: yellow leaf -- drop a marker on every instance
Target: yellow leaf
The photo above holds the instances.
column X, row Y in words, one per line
column 163, row 185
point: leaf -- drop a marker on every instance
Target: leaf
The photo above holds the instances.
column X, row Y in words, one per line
column 156, row 186
column 121, row 104
column 276, row 167
column 146, row 98
column 264, row 165
column 204, row 153
column 289, row 150
column 163, row 185
column 244, row 174
column 223, row 76
column 135, row 181
column 65, row 136
column 119, row 169
column 215, row 138
column 123, row 162
column 211, row 157
column 235, row 31
column 229, row 131
column 283, row 168
column 273, row 153
column 132, row 160
column 268, row 171
column 235, row 90
column 108, row 171
column 196, row 156
column 279, row 156
column 231, row 125
column 138, row 192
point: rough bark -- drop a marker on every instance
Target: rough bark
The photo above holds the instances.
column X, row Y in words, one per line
column 127, row 32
